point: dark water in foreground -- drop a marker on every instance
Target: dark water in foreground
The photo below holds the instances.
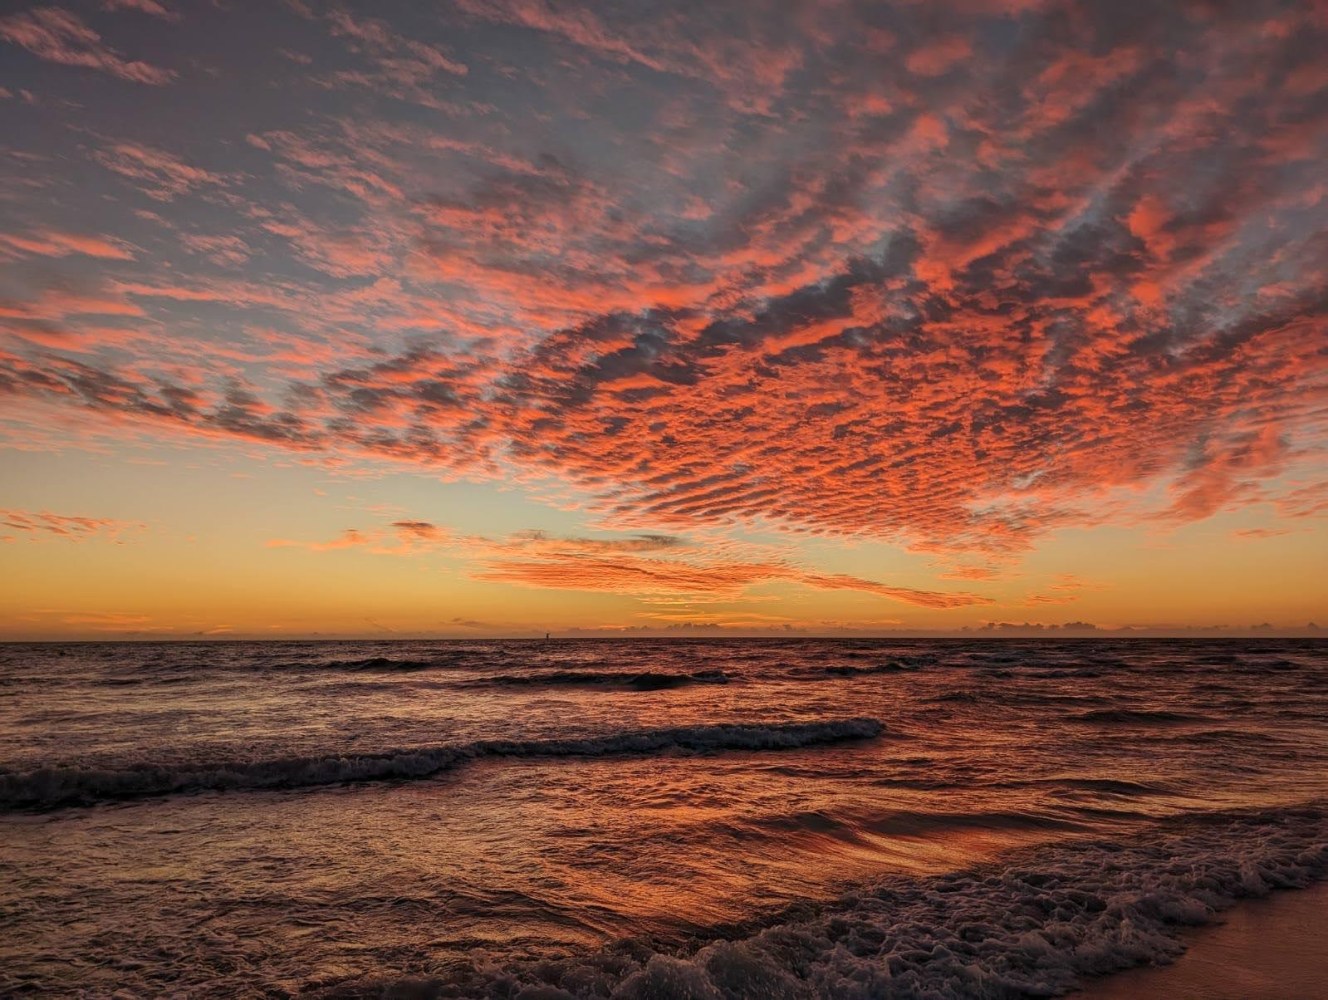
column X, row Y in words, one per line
column 701, row 819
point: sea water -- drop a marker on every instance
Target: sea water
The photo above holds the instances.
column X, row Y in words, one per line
column 691, row 818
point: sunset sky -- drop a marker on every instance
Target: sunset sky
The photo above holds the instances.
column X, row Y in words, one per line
column 487, row 317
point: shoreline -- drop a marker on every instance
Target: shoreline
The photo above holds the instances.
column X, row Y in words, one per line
column 1260, row 949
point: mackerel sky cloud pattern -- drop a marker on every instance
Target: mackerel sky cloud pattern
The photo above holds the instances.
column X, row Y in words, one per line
column 948, row 275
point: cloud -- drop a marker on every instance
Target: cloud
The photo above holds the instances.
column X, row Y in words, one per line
column 628, row 565
column 56, row 35
column 938, row 56
column 143, row 7
column 157, row 173
column 44, row 526
column 628, row 575
column 401, row 59
column 397, row 66
column 1259, row 533
column 1051, row 599
column 963, row 572
column 906, row 595
column 52, row 243
column 546, row 544
column 1018, row 628
column 1066, row 589
column 401, row 538
column 953, row 277
column 422, row 530
column 638, row 575
column 747, row 60
column 226, row 251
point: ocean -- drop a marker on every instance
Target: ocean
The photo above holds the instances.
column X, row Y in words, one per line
column 639, row 818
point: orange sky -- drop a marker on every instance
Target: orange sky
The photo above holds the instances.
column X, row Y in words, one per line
column 507, row 317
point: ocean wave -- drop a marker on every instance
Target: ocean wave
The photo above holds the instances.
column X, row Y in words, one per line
column 644, row 680
column 1133, row 716
column 1102, row 786
column 368, row 663
column 919, row 823
column 840, row 670
column 1034, row 924
column 52, row 787
column 907, row 823
column 963, row 697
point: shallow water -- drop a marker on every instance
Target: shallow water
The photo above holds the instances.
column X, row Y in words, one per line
column 258, row 819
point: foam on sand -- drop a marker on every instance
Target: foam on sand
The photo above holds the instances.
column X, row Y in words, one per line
column 1269, row 949
column 1032, row 926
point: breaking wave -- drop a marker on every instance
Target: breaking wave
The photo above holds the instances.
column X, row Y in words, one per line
column 1034, row 924
column 51, row 787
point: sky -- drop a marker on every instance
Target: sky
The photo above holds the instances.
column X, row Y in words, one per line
column 497, row 317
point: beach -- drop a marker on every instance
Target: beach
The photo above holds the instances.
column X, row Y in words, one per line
column 1267, row 949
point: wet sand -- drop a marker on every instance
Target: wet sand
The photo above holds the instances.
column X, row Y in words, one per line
column 1265, row 949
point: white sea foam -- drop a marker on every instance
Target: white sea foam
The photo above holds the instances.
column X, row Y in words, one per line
column 51, row 787
column 1032, row 926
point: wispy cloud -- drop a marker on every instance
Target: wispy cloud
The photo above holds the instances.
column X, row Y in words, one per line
column 401, row 538
column 143, row 7
column 52, row 243
column 651, row 566
column 44, row 526
column 157, row 173
column 55, row 34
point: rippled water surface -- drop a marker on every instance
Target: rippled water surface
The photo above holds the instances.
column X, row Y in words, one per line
column 687, row 818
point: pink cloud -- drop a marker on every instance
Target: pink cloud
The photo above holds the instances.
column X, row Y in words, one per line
column 143, row 7
column 938, row 56
column 157, row 173
column 52, row 243
column 56, row 35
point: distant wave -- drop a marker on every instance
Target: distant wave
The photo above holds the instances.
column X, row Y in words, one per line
column 1133, row 716
column 58, row 786
column 369, row 663
column 840, row 670
column 959, row 697
column 1033, row 924
column 1103, row 786
column 644, row 680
